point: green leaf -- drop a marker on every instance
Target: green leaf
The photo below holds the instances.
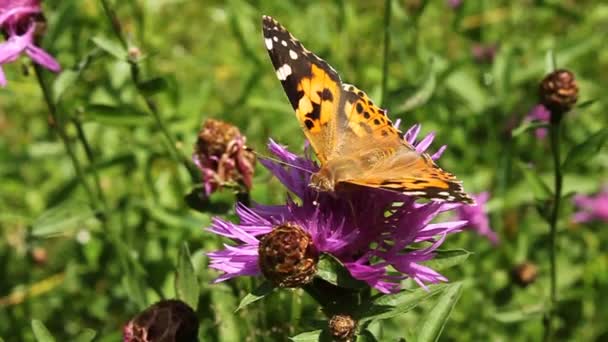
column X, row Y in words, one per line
column 435, row 320
column 186, row 283
column 367, row 336
column 462, row 83
column 522, row 314
column 423, row 94
column 61, row 219
column 153, row 86
column 63, row 82
column 333, row 271
column 586, row 150
column 550, row 62
column 124, row 115
column 41, row 333
column 388, row 306
column 260, row 292
column 585, row 104
column 538, row 187
column 309, row 336
column 111, row 47
column 86, row 336
column 447, row 258
column 528, row 125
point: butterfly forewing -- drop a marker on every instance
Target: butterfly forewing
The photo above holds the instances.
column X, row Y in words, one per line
column 312, row 86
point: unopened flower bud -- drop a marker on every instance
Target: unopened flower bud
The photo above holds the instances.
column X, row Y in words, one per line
column 167, row 321
column 342, row 328
column 222, row 157
column 287, row 256
column 558, row 92
column 524, row 274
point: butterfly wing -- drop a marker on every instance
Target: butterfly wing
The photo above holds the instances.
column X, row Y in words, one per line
column 312, row 86
column 378, row 156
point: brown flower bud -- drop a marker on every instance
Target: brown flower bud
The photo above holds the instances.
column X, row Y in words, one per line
column 524, row 274
column 222, row 157
column 558, row 92
column 166, row 321
column 342, row 328
column 287, row 256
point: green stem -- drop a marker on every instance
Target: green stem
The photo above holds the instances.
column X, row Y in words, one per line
column 91, row 158
column 152, row 107
column 387, row 42
column 555, row 132
column 57, row 123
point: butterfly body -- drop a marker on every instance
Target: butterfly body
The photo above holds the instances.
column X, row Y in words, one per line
column 354, row 140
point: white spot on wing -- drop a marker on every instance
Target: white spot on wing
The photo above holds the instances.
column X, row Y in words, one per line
column 275, row 38
column 414, row 193
column 268, row 42
column 283, row 72
column 293, row 54
column 443, row 193
column 284, row 43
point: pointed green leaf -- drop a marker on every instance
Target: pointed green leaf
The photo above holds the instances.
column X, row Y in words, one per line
column 309, row 336
column 447, row 258
column 124, row 115
column 63, row 82
column 111, row 47
column 153, row 86
column 528, row 125
column 186, row 283
column 522, row 314
column 586, row 150
column 62, row 218
column 422, row 95
column 86, row 336
column 388, row 306
column 435, row 320
column 538, row 187
column 333, row 271
column 550, row 62
column 260, row 292
column 41, row 333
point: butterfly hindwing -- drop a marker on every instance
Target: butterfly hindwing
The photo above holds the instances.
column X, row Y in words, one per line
column 312, row 86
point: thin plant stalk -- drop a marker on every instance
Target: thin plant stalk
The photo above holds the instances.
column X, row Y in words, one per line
column 57, row 123
column 387, row 43
column 91, row 158
column 554, row 132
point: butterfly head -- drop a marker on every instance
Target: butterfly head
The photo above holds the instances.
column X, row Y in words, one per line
column 322, row 181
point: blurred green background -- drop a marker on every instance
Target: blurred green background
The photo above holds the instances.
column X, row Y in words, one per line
column 76, row 261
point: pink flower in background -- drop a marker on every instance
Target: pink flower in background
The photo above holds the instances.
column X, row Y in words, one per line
column 592, row 208
column 542, row 114
column 454, row 3
column 18, row 23
column 478, row 217
column 484, row 53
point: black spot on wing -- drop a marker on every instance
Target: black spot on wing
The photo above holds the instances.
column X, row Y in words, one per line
column 326, row 95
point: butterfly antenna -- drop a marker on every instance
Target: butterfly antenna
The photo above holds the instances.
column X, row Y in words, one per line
column 259, row 155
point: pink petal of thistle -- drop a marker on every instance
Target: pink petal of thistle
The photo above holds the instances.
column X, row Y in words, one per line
column 43, row 58
column 2, row 78
column 412, row 133
column 425, row 143
column 439, row 152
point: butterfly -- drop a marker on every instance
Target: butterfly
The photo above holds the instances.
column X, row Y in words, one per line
column 353, row 139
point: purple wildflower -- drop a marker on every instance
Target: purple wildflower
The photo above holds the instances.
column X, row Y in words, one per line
column 484, row 53
column 367, row 229
column 592, row 207
column 478, row 218
column 454, row 4
column 18, row 20
column 539, row 113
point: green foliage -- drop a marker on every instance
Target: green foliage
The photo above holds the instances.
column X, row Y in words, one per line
column 85, row 251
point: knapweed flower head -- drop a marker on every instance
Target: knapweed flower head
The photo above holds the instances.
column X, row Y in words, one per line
column 477, row 217
column 592, row 208
column 380, row 236
column 539, row 113
column 167, row 320
column 222, row 157
column 19, row 20
column 558, row 92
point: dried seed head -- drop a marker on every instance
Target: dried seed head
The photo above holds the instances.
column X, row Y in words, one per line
column 342, row 328
column 287, row 256
column 222, row 157
column 558, row 92
column 167, row 321
column 524, row 274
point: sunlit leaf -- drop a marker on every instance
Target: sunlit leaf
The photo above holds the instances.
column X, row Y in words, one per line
column 333, row 271
column 434, row 321
column 423, row 94
column 110, row 46
column 260, row 292
column 41, row 333
column 86, row 336
column 186, row 282
column 63, row 218
column 309, row 336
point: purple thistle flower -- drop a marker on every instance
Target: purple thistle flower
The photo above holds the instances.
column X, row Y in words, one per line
column 366, row 229
column 592, row 207
column 18, row 23
column 542, row 114
column 478, row 218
